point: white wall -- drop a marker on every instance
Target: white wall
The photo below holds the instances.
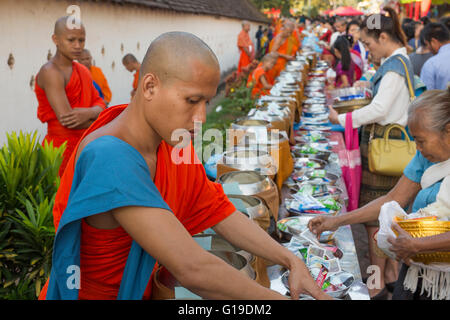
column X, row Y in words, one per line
column 26, row 27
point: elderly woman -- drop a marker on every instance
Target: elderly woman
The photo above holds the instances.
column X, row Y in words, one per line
column 429, row 124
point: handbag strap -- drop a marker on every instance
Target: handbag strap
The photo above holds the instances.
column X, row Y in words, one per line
column 410, row 88
column 402, row 129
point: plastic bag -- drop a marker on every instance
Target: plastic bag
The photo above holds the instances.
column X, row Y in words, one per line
column 388, row 211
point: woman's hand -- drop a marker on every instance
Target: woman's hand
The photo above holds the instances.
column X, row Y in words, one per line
column 320, row 224
column 333, row 116
column 404, row 246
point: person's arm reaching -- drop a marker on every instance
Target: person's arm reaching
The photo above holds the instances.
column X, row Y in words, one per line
column 266, row 85
column 247, row 235
column 195, row 268
column 403, row 192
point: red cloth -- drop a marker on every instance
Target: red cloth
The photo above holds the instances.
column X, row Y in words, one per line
column 244, row 41
column 80, row 93
column 326, row 36
column 196, row 202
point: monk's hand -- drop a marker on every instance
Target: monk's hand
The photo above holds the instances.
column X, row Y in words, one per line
column 404, row 246
column 320, row 224
column 301, row 282
column 333, row 115
column 78, row 117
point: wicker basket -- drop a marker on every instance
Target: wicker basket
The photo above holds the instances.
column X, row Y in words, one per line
column 426, row 228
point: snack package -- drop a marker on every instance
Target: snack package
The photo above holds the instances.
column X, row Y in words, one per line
column 323, row 274
column 314, row 252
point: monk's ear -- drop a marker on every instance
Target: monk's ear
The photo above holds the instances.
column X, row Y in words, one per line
column 55, row 39
column 149, row 84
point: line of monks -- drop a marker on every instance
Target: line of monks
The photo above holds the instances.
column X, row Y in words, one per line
column 71, row 91
column 282, row 48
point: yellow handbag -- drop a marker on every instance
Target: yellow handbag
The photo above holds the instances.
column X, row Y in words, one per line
column 389, row 157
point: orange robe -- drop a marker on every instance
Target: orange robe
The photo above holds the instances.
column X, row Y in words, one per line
column 100, row 79
column 244, row 41
column 195, row 201
column 136, row 80
column 288, row 47
column 255, row 80
column 80, row 93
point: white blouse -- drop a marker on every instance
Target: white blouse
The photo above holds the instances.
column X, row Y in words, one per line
column 390, row 105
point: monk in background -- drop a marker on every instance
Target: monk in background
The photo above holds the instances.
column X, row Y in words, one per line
column 286, row 45
column 97, row 75
column 132, row 64
column 259, row 79
column 68, row 100
column 246, row 47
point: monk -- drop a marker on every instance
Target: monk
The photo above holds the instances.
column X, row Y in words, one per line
column 258, row 78
column 132, row 64
column 245, row 46
column 286, row 47
column 126, row 205
column 68, row 101
column 97, row 75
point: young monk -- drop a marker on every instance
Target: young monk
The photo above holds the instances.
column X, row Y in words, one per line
column 259, row 79
column 68, row 100
column 132, row 64
column 124, row 203
column 97, row 75
column 285, row 45
column 245, row 46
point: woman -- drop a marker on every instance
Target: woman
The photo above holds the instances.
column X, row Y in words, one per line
column 389, row 105
column 429, row 124
column 354, row 29
column 345, row 68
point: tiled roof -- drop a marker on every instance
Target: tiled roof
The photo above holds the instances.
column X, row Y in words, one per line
column 239, row 9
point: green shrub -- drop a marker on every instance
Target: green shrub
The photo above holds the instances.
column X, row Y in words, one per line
column 28, row 184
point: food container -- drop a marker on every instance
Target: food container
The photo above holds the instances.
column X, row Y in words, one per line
column 250, row 124
column 322, row 155
column 250, row 159
column 342, row 281
column 218, row 243
column 234, row 259
column 309, row 163
column 327, row 177
column 250, row 182
column 254, row 207
column 330, row 190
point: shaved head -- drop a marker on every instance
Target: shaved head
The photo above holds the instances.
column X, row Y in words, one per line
column 85, row 58
column 177, row 55
column 66, row 23
column 129, row 58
